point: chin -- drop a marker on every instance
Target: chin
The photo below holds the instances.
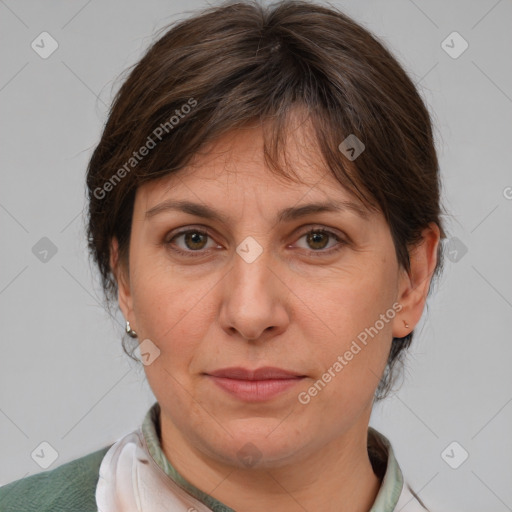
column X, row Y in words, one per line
column 261, row 446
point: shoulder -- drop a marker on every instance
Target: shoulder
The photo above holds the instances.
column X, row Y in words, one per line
column 70, row 486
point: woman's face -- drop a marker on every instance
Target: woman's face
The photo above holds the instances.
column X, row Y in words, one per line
column 259, row 290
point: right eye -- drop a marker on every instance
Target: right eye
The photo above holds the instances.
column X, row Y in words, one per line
column 194, row 241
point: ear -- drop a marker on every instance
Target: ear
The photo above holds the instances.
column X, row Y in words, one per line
column 414, row 285
column 123, row 283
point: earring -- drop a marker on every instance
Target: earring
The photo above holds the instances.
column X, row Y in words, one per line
column 406, row 325
column 130, row 331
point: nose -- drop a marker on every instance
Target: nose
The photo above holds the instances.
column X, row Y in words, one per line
column 254, row 300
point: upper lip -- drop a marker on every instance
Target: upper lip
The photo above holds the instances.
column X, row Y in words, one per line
column 263, row 373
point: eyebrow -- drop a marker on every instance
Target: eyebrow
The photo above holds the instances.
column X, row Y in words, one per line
column 285, row 215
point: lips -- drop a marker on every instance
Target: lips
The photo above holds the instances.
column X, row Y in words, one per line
column 264, row 373
column 258, row 385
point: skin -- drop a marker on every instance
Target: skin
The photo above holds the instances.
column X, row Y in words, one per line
column 292, row 307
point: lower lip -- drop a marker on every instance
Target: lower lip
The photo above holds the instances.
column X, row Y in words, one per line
column 255, row 390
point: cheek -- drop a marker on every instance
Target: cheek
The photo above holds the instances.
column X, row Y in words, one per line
column 170, row 311
column 346, row 302
column 351, row 338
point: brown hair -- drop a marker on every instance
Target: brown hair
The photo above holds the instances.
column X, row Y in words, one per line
column 241, row 62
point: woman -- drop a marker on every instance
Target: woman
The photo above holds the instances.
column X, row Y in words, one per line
column 264, row 206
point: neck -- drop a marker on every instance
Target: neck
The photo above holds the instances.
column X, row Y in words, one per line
column 337, row 478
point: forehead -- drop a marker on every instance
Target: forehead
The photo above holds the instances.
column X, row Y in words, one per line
column 235, row 164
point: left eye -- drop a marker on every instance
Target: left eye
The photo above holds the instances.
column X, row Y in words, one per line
column 319, row 238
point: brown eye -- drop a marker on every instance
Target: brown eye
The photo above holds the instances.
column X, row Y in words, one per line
column 193, row 240
column 318, row 239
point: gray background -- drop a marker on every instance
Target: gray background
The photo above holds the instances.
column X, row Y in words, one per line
column 64, row 378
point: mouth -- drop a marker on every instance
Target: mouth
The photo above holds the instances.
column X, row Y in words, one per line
column 257, row 385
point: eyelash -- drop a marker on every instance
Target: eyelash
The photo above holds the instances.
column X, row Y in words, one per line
column 319, row 253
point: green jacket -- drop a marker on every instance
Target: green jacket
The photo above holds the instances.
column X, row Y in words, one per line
column 70, row 487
